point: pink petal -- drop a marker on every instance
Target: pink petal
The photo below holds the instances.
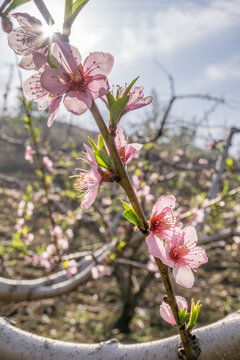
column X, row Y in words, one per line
column 120, row 139
column 131, row 150
column 54, row 81
column 156, row 247
column 33, row 89
column 166, row 312
column 25, row 19
column 54, row 109
column 40, row 57
column 196, row 257
column 16, row 41
column 67, row 56
column 98, row 86
column 98, row 63
column 89, row 198
column 77, row 103
column 163, row 202
column 183, row 276
column 190, row 236
column 27, row 62
column 90, row 155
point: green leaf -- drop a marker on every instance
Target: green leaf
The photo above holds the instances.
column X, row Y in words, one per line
column 110, row 99
column 126, row 206
column 128, row 88
column 101, row 142
column 132, row 217
column 50, row 60
column 100, row 160
column 183, row 315
column 14, row 4
column 76, row 8
column 195, row 309
column 93, row 144
column 117, row 109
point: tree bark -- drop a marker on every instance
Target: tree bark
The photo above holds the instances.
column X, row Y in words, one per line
column 220, row 340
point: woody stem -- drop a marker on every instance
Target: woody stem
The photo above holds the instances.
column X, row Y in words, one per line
column 126, row 184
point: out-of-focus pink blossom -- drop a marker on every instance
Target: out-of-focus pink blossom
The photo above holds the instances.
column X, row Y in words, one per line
column 136, row 98
column 29, row 208
column 28, row 238
column 21, row 207
column 29, row 154
column 126, row 151
column 19, row 224
column 100, row 271
column 27, row 39
column 210, row 145
column 203, row 161
column 162, row 224
column 181, row 254
column 69, row 233
column 88, row 182
column 151, row 265
column 47, row 163
column 63, row 243
column 106, row 201
column 176, row 158
column 56, row 231
column 80, row 83
column 153, row 178
column 72, row 268
column 166, row 312
column 51, row 249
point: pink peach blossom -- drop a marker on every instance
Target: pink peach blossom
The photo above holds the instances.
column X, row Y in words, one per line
column 89, row 181
column 80, row 83
column 100, row 271
column 162, row 223
column 136, row 98
column 29, row 154
column 47, row 163
column 166, row 312
column 126, row 151
column 181, row 254
column 72, row 268
column 27, row 39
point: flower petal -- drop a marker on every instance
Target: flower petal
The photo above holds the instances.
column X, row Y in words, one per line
column 54, row 109
column 33, row 89
column 67, row 56
column 196, row 257
column 190, row 237
column 54, row 81
column 98, row 86
column 26, row 20
column 183, row 276
column 77, row 103
column 163, row 202
column 156, row 248
column 98, row 63
column 27, row 62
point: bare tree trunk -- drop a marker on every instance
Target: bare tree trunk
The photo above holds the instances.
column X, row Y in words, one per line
column 220, row 341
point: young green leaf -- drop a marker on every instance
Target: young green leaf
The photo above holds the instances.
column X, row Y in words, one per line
column 93, row 144
column 76, row 8
column 183, row 315
column 100, row 160
column 132, row 217
column 110, row 99
column 195, row 309
column 128, row 88
column 14, row 4
column 117, row 109
column 126, row 206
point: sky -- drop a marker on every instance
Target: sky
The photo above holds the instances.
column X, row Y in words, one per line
column 196, row 41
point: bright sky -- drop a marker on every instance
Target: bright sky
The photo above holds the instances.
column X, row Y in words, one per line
column 197, row 41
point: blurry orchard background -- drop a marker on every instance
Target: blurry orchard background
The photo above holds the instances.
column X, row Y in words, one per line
column 187, row 55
